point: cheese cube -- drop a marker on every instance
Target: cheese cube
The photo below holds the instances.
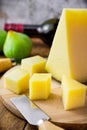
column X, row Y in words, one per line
column 17, row 80
column 73, row 93
column 40, row 86
column 69, row 49
column 34, row 64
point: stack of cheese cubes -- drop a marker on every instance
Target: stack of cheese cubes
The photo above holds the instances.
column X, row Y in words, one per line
column 68, row 53
column 30, row 75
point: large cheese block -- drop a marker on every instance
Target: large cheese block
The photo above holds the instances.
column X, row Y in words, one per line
column 40, row 86
column 34, row 64
column 73, row 93
column 69, row 49
column 17, row 80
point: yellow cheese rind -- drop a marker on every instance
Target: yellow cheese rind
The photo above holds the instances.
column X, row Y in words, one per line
column 17, row 80
column 34, row 64
column 40, row 86
column 73, row 93
column 69, row 48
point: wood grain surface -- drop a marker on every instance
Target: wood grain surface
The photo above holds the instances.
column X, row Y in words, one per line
column 9, row 121
column 53, row 106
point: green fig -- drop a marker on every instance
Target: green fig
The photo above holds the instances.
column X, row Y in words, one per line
column 3, row 35
column 17, row 45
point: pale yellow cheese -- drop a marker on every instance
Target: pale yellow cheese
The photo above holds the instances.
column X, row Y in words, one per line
column 40, row 86
column 73, row 93
column 17, row 80
column 69, row 48
column 34, row 64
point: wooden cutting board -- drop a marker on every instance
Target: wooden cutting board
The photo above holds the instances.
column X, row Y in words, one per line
column 72, row 120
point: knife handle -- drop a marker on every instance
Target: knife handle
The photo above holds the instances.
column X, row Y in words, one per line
column 5, row 64
column 46, row 125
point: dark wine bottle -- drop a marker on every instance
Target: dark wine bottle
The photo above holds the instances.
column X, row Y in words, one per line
column 44, row 31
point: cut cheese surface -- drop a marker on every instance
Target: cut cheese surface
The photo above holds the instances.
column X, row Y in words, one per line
column 17, row 80
column 73, row 93
column 34, row 64
column 40, row 86
column 69, row 49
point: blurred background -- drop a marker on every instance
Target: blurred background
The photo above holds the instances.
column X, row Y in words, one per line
column 35, row 11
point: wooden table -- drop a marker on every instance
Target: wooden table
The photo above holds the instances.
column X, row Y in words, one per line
column 8, row 121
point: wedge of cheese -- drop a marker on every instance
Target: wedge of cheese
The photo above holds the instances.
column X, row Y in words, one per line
column 34, row 64
column 17, row 80
column 73, row 93
column 40, row 86
column 69, row 49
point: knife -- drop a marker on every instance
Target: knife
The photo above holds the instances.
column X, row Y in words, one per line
column 33, row 114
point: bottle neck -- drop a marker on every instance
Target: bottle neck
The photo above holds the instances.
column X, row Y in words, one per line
column 44, row 31
column 39, row 32
column 33, row 30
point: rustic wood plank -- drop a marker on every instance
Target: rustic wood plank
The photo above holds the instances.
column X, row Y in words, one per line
column 8, row 121
column 30, row 127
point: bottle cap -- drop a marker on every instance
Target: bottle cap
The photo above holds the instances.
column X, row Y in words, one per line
column 13, row 26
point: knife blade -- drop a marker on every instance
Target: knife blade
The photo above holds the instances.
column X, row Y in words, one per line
column 33, row 114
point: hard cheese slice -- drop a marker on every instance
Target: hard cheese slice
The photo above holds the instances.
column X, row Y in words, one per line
column 69, row 49
column 73, row 93
column 17, row 80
